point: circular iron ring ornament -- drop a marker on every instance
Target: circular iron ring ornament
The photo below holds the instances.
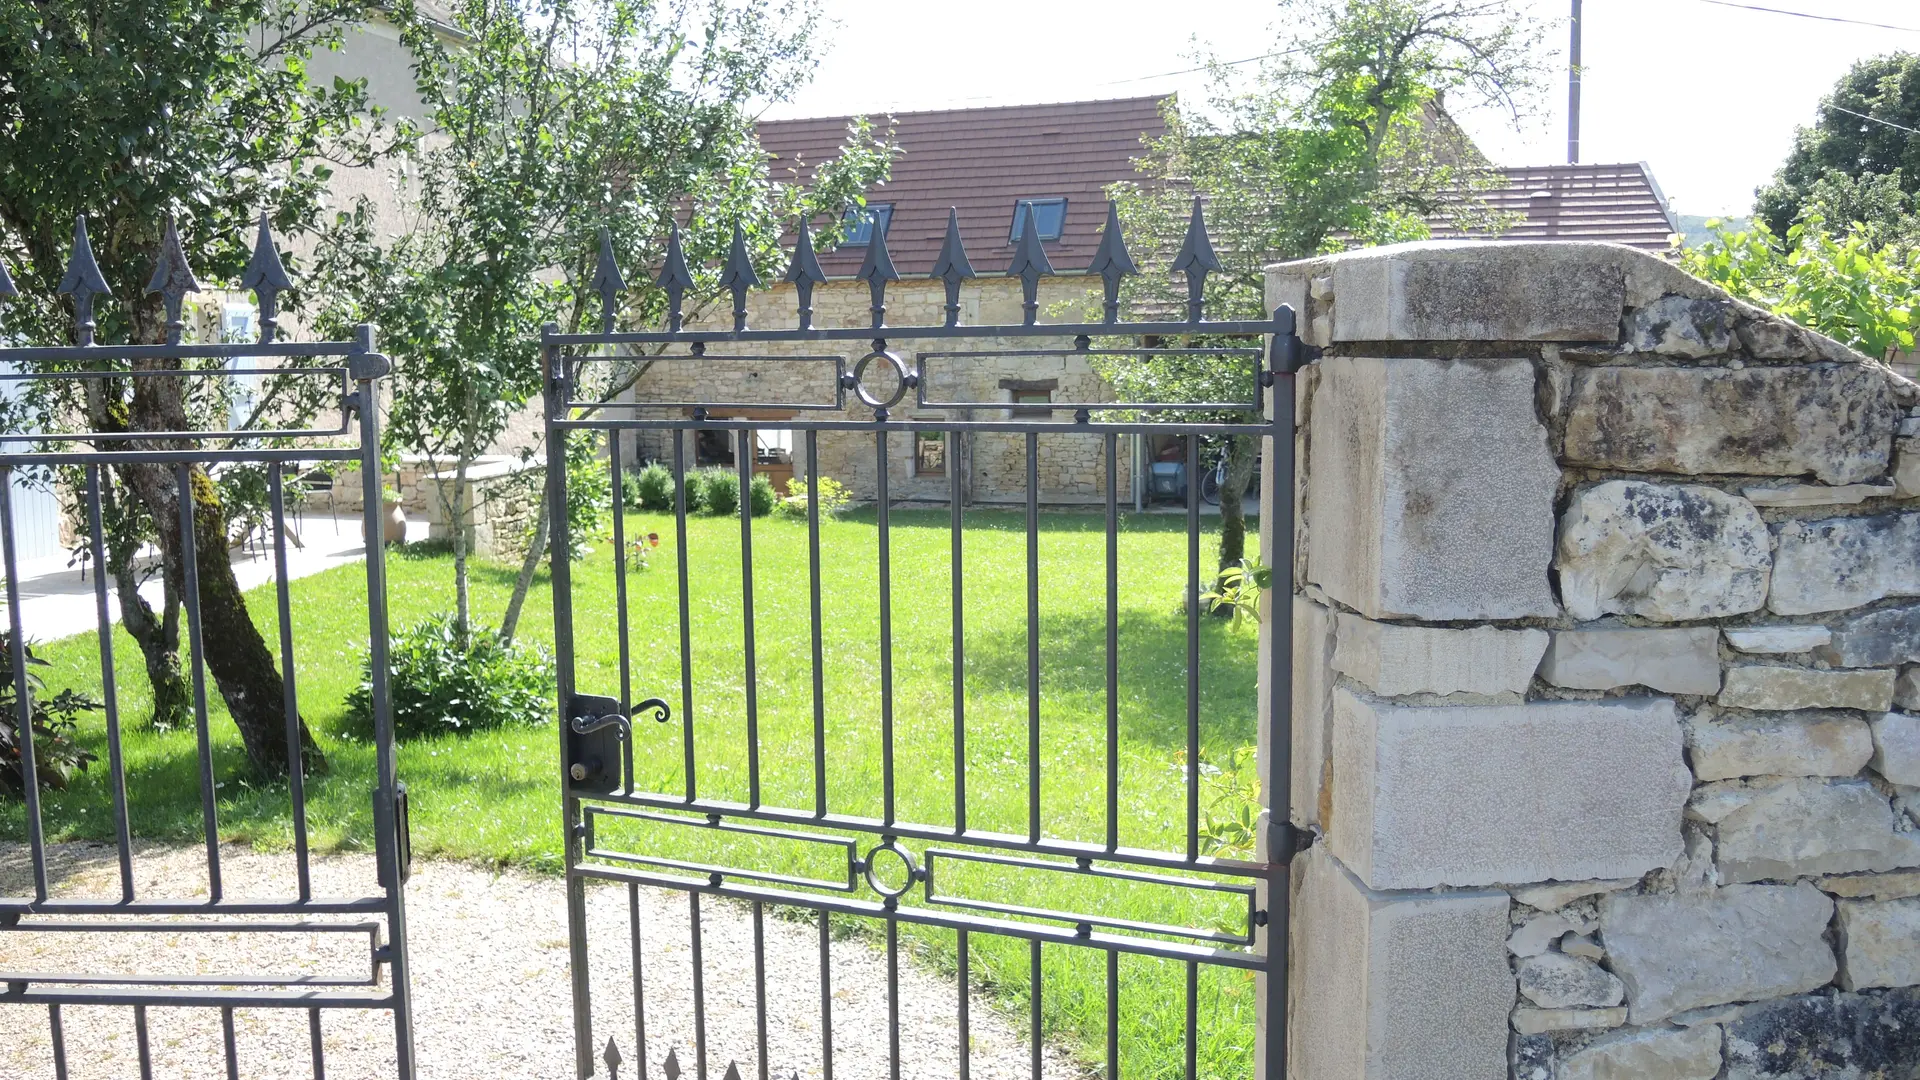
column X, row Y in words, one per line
column 908, row 379
column 906, row 858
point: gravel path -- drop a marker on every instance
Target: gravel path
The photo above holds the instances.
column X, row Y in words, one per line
column 490, row 982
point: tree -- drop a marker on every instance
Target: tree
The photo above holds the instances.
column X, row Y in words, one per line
column 562, row 129
column 1868, row 126
column 135, row 115
column 1341, row 140
column 1854, row 286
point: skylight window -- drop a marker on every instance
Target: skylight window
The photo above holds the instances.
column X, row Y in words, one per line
column 1049, row 218
column 861, row 220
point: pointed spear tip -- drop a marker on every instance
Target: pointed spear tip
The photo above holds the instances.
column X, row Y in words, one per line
column 952, row 262
column 83, row 277
column 612, row 1055
column 1112, row 257
column 1196, row 252
column 264, row 269
column 739, row 270
column 606, row 269
column 171, row 274
column 1030, row 254
column 879, row 262
column 674, row 273
column 806, row 264
column 733, row 1070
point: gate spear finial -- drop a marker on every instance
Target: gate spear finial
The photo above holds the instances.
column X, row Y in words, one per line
column 738, row 276
column 612, row 1057
column 675, row 279
column 952, row 266
column 607, row 281
column 267, row 277
column 83, row 281
column 1196, row 259
column 804, row 273
column 172, row 278
column 877, row 270
column 1111, row 261
column 1030, row 263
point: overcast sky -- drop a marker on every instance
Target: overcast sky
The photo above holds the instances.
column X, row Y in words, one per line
column 1708, row 95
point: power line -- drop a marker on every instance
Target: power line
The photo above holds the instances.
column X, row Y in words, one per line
column 1875, row 119
column 1811, row 15
column 1206, row 67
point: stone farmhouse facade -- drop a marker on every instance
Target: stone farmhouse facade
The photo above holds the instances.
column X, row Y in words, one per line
column 1605, row 593
column 984, row 165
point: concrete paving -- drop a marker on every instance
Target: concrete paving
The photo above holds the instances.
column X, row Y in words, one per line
column 57, row 599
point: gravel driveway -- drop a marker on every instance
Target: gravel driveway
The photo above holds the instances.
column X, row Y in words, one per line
column 490, row 982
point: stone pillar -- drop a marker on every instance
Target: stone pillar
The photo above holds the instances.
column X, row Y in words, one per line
column 1605, row 660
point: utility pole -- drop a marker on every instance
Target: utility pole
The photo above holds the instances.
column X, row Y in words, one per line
column 1573, row 91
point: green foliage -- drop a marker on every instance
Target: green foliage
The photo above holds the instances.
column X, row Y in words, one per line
column 1229, row 822
column 719, row 489
column 447, row 679
column 652, row 488
column 834, row 498
column 1843, row 286
column 760, row 495
column 1842, row 147
column 57, row 754
column 589, row 491
column 1237, row 589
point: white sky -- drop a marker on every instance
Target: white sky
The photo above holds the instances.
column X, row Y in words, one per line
column 1708, row 95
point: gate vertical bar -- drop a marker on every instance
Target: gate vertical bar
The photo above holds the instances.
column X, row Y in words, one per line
column 1277, row 842
column 366, row 367
column 559, row 543
column 197, row 661
column 22, row 690
column 109, row 690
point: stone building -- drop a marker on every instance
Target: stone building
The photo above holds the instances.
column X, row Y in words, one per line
column 1606, row 678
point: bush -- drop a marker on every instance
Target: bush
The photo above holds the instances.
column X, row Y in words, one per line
column 652, row 489
column 56, row 753
column 719, row 491
column 443, row 681
column 834, row 498
column 589, row 492
column 760, row 495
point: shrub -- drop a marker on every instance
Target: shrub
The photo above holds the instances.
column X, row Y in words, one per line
column 719, row 491
column 57, row 755
column 652, row 489
column 834, row 498
column 760, row 495
column 589, row 492
column 444, row 681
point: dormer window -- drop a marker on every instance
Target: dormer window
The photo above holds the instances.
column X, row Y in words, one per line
column 861, row 221
column 1049, row 218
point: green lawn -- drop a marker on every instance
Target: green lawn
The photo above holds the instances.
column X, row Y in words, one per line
column 492, row 796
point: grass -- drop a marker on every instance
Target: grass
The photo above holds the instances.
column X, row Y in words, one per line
column 492, row 795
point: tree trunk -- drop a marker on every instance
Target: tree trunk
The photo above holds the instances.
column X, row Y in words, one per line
column 158, row 637
column 1242, row 452
column 542, row 526
column 237, row 657
column 462, row 506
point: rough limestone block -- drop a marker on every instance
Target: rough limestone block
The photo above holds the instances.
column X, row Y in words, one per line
column 1840, row 563
column 1741, row 943
column 1473, row 795
column 1682, row 1054
column 1906, row 692
column 1387, row 987
column 1681, row 326
column 1313, row 637
column 1894, row 886
column 1788, row 744
column 1896, row 748
column 1558, row 895
column 1770, row 686
column 1797, row 495
column 1884, row 638
column 1781, row 829
column 1412, row 513
column 1835, row 421
column 1829, row 1036
column 1906, row 474
column 1513, row 292
column 1528, row 1021
column 1678, row 661
column 1395, row 660
column 1554, row 980
column 1879, row 943
column 1664, row 551
column 1777, row 639
column 1537, row 935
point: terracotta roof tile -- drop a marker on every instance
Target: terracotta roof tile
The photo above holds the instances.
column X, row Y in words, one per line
column 982, row 161
column 1618, row 203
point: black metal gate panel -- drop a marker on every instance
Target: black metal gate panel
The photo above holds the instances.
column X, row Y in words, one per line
column 893, row 873
column 368, row 924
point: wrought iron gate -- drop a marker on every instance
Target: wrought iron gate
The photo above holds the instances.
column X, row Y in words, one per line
column 885, row 883
column 60, row 908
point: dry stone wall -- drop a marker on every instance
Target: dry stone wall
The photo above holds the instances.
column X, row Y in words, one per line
column 1072, row 467
column 1606, row 614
